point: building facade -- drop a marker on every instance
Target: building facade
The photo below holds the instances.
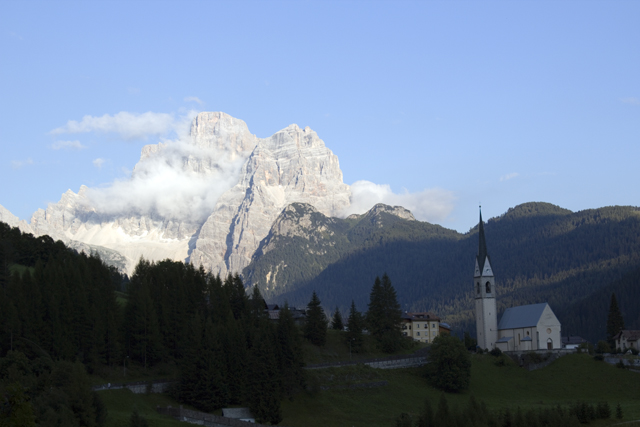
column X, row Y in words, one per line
column 423, row 327
column 627, row 339
column 523, row 328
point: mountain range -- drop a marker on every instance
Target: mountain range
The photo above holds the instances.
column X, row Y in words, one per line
column 244, row 183
column 273, row 209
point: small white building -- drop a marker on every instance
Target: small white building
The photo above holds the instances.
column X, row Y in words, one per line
column 626, row 339
column 529, row 327
column 423, row 327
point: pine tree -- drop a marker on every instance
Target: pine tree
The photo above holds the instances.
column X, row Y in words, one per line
column 315, row 328
column 384, row 316
column 336, row 322
column 615, row 322
column 290, row 355
column 263, row 391
column 355, row 325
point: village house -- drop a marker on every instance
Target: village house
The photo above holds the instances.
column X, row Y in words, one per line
column 423, row 327
column 626, row 339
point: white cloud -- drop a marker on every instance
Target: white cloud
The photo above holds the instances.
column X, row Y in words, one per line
column 431, row 205
column 193, row 99
column 178, row 181
column 98, row 163
column 17, row 164
column 509, row 176
column 129, row 126
column 74, row 145
column 633, row 101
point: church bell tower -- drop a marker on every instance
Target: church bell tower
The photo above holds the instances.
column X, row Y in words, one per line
column 485, row 296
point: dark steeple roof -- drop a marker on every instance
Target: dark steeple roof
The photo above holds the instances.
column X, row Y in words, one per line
column 482, row 248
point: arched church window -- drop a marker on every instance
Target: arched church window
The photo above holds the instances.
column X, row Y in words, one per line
column 488, row 287
column 478, row 288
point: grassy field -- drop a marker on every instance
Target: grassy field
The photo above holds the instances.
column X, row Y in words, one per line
column 120, row 404
column 565, row 381
column 335, row 350
column 570, row 378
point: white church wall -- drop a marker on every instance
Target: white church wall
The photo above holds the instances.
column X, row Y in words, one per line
column 549, row 330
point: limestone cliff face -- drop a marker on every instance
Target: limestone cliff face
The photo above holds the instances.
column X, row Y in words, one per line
column 263, row 176
column 291, row 166
column 13, row 221
column 217, row 141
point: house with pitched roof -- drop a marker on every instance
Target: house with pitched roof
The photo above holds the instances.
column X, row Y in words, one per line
column 423, row 327
column 523, row 328
column 626, row 339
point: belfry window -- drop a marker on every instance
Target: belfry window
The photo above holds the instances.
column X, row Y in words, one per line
column 478, row 288
column 488, row 287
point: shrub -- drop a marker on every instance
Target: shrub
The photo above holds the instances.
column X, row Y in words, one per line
column 496, row 352
column 602, row 347
column 598, row 357
column 449, row 366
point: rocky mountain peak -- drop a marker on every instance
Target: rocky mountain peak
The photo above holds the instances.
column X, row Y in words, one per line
column 398, row 211
column 293, row 165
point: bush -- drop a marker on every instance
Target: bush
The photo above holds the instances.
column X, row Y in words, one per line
column 598, row 357
column 496, row 352
column 603, row 347
column 449, row 366
column 634, row 351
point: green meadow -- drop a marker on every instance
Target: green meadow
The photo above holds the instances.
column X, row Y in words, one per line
column 565, row 381
column 330, row 401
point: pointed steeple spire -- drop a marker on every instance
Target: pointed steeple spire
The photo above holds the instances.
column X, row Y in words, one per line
column 482, row 248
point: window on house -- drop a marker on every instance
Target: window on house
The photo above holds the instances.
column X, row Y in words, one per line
column 418, row 333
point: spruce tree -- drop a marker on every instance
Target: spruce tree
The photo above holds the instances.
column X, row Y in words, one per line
column 290, row 355
column 355, row 325
column 336, row 322
column 384, row 316
column 315, row 327
column 615, row 322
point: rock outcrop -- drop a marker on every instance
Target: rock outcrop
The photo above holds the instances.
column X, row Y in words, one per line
column 9, row 218
column 291, row 166
column 262, row 177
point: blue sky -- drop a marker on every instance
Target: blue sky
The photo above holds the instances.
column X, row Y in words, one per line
column 495, row 102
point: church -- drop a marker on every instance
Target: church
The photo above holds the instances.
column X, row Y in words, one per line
column 523, row 328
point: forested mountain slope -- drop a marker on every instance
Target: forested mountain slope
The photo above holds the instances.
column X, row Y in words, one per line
column 539, row 252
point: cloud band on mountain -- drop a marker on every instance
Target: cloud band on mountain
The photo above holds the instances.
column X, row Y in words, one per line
column 165, row 184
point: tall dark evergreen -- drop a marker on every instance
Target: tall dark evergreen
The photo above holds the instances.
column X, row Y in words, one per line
column 290, row 355
column 355, row 325
column 237, row 296
column 315, row 327
column 143, row 339
column 384, row 317
column 263, row 388
column 336, row 321
column 615, row 322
